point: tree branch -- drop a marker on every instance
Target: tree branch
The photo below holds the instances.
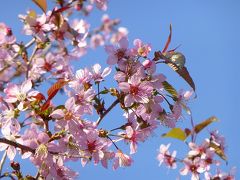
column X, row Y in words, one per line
column 107, row 111
column 17, row 145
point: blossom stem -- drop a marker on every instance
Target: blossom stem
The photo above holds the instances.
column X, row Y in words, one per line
column 107, row 111
column 113, row 143
column 30, row 61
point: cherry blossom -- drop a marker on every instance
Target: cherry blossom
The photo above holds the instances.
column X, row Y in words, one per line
column 136, row 90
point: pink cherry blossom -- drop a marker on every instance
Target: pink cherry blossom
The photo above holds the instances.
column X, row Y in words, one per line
column 36, row 25
column 121, row 160
column 165, row 156
column 97, row 40
column 97, row 75
column 119, row 53
column 140, row 48
column 101, row 4
column 10, row 131
column 136, row 90
column 6, row 36
column 19, row 93
column 195, row 167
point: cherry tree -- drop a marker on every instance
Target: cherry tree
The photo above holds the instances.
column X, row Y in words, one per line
column 50, row 134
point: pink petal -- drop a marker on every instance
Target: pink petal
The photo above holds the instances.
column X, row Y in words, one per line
column 70, row 104
column 124, row 86
column 11, row 152
column 123, row 43
column 97, row 68
column 57, row 114
column 112, row 60
column 110, row 49
column 128, row 100
column 106, row 71
column 26, row 86
column 137, row 42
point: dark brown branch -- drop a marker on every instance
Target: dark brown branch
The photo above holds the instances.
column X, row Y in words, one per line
column 17, row 145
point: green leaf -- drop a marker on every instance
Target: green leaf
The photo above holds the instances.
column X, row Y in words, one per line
column 42, row 4
column 105, row 91
column 169, row 88
column 176, row 133
column 204, row 124
column 218, row 150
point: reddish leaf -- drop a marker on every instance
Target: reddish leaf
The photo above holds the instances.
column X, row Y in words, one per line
column 183, row 72
column 168, row 40
column 187, row 132
column 42, row 4
column 39, row 97
column 52, row 91
column 45, row 105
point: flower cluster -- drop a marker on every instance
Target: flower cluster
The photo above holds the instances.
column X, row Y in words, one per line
column 48, row 133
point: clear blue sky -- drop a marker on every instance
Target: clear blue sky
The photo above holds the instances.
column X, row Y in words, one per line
column 209, row 34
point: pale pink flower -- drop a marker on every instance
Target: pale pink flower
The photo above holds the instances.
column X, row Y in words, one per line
column 83, row 76
column 198, row 150
column 19, row 93
column 93, row 146
column 165, row 156
column 107, row 156
column 221, row 175
column 59, row 34
column 121, row 160
column 6, row 36
column 81, row 28
column 37, row 25
column 117, row 53
column 136, row 90
column 122, row 32
column 150, row 110
column 101, row 4
column 99, row 75
column 83, row 98
column 140, row 48
column 10, row 132
column 195, row 167
column 132, row 136
column 68, row 114
column 97, row 40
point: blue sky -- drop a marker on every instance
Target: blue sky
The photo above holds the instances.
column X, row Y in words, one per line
column 208, row 32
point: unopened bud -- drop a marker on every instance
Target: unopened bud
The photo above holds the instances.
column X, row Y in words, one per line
column 15, row 165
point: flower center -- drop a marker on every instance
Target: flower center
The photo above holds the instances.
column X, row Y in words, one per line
column 21, row 96
column 134, row 90
column 69, row 115
column 193, row 168
column 120, row 53
column 91, row 146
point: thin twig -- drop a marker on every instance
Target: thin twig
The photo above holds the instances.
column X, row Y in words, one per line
column 2, row 161
column 30, row 61
column 107, row 111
